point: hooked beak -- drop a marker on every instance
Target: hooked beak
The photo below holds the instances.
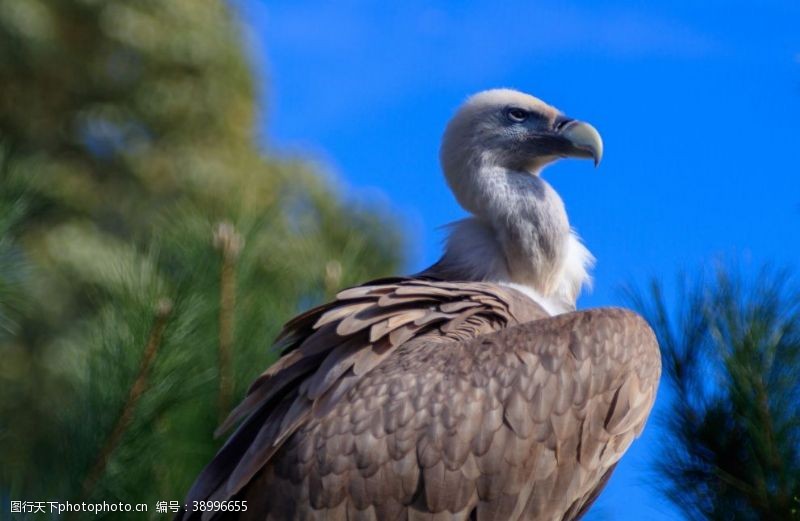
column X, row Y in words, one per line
column 581, row 140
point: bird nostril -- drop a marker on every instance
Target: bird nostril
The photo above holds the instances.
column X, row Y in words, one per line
column 561, row 122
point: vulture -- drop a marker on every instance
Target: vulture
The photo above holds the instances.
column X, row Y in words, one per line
column 473, row 390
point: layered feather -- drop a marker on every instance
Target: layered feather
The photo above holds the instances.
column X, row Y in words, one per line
column 422, row 399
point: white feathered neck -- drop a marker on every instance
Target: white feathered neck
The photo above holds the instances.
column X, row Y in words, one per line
column 519, row 235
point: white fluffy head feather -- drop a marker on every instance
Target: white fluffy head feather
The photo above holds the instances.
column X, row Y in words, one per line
column 492, row 153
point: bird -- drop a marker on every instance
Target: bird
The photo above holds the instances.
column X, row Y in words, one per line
column 473, row 390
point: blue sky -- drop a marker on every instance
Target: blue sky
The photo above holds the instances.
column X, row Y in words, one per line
column 698, row 104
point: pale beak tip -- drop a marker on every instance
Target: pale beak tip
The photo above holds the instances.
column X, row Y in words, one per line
column 585, row 137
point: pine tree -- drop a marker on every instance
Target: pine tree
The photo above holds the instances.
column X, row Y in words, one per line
column 149, row 249
column 731, row 352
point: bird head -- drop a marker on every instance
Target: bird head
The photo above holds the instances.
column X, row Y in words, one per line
column 513, row 130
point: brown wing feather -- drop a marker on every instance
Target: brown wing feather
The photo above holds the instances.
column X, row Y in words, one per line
column 328, row 348
column 492, row 419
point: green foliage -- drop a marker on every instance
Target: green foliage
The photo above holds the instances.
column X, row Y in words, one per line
column 149, row 250
column 732, row 355
column 13, row 271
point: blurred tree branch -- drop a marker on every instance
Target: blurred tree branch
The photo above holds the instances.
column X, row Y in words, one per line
column 732, row 355
column 127, row 137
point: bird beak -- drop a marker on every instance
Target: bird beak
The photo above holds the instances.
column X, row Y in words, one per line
column 583, row 140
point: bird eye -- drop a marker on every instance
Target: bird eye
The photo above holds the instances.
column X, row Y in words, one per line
column 517, row 115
